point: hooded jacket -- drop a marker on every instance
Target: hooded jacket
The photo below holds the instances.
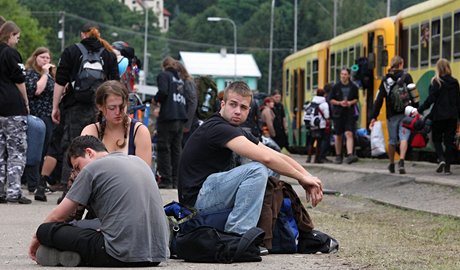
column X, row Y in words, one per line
column 171, row 96
column 445, row 98
column 12, row 72
column 69, row 65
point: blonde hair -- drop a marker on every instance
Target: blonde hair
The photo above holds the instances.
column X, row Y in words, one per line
column 442, row 68
column 31, row 62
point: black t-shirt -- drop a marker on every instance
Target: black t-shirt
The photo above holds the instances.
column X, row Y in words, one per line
column 12, row 72
column 205, row 153
column 341, row 91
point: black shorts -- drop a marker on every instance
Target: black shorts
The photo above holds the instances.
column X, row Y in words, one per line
column 344, row 123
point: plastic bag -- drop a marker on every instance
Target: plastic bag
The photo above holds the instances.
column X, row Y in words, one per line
column 377, row 140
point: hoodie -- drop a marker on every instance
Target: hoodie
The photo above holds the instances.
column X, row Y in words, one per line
column 445, row 98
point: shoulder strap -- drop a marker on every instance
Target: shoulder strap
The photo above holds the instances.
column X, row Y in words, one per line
column 246, row 240
column 83, row 50
column 99, row 134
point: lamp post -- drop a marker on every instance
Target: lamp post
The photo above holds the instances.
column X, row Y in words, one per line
column 271, row 50
column 218, row 19
column 146, row 27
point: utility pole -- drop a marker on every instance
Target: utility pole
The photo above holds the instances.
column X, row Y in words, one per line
column 271, row 50
column 295, row 25
column 335, row 18
column 146, row 28
column 388, row 7
column 62, row 36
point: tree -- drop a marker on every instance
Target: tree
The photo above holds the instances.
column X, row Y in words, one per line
column 32, row 35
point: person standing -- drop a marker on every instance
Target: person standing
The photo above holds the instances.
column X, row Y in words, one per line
column 170, row 122
column 191, row 100
column 444, row 94
column 121, row 189
column 344, row 97
column 280, row 122
column 268, row 116
column 40, row 87
column 79, row 113
column 14, row 107
column 317, row 125
column 396, row 131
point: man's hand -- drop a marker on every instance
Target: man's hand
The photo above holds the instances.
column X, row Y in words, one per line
column 314, row 189
column 33, row 248
column 56, row 115
column 371, row 124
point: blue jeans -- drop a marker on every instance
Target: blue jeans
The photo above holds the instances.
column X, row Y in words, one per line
column 242, row 188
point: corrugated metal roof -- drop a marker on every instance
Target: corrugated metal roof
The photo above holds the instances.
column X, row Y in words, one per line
column 215, row 64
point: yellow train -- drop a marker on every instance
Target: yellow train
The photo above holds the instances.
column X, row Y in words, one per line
column 421, row 34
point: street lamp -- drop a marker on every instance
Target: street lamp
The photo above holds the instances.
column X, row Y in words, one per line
column 146, row 27
column 218, row 19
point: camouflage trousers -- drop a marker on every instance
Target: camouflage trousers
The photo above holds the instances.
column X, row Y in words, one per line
column 13, row 147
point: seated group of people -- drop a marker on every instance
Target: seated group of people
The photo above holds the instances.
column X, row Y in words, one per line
column 121, row 189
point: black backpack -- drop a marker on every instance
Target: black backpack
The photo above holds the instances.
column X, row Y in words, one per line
column 90, row 75
column 397, row 93
column 208, row 244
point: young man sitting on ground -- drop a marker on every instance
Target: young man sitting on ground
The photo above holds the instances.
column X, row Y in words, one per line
column 123, row 193
column 206, row 180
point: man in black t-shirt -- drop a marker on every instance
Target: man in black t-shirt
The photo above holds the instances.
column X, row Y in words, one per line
column 344, row 98
column 206, row 179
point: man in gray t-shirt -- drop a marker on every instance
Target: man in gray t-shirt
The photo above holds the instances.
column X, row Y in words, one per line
column 123, row 193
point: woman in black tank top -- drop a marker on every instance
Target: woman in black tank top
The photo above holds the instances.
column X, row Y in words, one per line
column 118, row 131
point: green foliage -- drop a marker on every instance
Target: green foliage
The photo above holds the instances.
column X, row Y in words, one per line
column 32, row 35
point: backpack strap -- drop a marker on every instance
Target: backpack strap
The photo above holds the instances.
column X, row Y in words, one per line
column 246, row 240
column 83, row 50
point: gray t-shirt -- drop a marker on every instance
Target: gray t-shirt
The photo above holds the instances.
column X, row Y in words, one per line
column 125, row 197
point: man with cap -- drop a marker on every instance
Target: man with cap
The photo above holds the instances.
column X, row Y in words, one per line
column 77, row 114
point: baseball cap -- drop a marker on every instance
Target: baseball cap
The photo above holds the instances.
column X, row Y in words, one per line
column 87, row 26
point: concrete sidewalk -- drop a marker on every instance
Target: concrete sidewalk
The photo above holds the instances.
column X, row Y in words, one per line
column 421, row 188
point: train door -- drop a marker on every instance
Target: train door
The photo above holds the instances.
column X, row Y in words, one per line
column 371, row 61
column 297, row 99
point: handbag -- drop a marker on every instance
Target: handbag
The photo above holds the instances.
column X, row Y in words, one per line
column 210, row 245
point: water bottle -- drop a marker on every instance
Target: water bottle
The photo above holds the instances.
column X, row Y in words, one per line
column 205, row 107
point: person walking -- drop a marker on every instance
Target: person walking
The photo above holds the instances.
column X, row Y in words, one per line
column 444, row 95
column 14, row 107
column 170, row 122
column 79, row 113
column 40, row 87
column 394, row 114
column 344, row 97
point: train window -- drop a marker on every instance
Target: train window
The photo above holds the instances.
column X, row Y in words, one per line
column 308, row 75
column 447, row 37
column 351, row 54
column 435, row 40
column 404, row 41
column 414, row 38
column 379, row 55
column 424, row 43
column 345, row 58
column 315, row 74
column 287, row 83
column 338, row 65
column 357, row 51
column 457, row 35
column 332, row 68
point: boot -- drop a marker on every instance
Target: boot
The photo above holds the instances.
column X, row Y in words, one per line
column 2, row 193
column 40, row 192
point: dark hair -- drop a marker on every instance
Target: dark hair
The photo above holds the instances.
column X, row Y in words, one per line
column 2, row 20
column 347, row 69
column 276, row 92
column 115, row 88
column 183, row 73
column 328, row 87
column 80, row 143
column 169, row 62
column 320, row 92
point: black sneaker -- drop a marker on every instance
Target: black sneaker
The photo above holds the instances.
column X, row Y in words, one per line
column 447, row 170
column 47, row 256
column 391, row 168
column 40, row 194
column 351, row 158
column 20, row 200
column 338, row 160
column 401, row 167
column 3, row 199
column 441, row 167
